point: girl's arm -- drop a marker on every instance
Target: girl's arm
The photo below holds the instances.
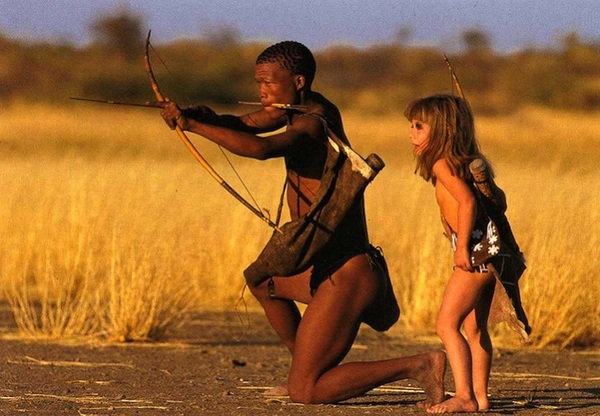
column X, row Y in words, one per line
column 460, row 191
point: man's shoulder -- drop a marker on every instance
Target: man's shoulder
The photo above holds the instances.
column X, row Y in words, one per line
column 319, row 104
column 326, row 111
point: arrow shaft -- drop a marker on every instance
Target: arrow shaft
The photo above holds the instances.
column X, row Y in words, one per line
column 93, row 100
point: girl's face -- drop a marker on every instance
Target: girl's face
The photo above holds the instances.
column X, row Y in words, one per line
column 419, row 135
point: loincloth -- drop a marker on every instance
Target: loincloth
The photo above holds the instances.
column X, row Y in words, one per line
column 331, row 259
column 384, row 310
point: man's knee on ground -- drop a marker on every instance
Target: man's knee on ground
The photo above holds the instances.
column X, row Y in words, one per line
column 302, row 393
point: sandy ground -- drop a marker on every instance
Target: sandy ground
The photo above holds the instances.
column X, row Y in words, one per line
column 217, row 366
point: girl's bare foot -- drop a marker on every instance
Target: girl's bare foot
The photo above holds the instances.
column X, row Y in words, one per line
column 483, row 403
column 431, row 378
column 454, row 405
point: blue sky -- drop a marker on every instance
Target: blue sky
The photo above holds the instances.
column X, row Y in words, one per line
column 511, row 24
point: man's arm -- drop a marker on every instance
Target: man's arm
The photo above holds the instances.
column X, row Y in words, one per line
column 244, row 141
column 256, row 122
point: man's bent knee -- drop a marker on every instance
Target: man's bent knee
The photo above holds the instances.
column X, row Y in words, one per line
column 302, row 393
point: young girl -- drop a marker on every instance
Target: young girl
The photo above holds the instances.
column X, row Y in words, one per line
column 443, row 136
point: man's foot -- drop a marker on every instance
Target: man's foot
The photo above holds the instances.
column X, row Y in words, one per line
column 454, row 405
column 279, row 391
column 430, row 377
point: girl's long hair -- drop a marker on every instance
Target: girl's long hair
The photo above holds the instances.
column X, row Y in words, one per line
column 452, row 135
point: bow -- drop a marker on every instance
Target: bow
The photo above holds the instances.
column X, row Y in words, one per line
column 190, row 146
column 455, row 82
column 481, row 174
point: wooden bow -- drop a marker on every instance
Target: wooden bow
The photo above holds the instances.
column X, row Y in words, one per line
column 455, row 82
column 482, row 177
column 190, row 146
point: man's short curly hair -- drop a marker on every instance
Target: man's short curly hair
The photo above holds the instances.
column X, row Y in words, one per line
column 293, row 56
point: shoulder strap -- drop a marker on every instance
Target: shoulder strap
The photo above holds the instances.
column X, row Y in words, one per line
column 367, row 167
column 281, row 198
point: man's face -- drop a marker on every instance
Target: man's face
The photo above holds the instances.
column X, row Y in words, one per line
column 277, row 85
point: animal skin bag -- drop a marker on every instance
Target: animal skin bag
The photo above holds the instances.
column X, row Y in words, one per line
column 485, row 242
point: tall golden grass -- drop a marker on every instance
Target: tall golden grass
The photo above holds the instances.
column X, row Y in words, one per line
column 109, row 227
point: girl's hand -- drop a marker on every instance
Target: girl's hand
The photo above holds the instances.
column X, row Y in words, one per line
column 462, row 260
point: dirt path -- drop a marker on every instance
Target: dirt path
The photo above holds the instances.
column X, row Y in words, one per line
column 209, row 368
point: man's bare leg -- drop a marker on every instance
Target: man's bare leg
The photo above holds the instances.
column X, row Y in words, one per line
column 276, row 298
column 278, row 304
column 433, row 379
column 326, row 333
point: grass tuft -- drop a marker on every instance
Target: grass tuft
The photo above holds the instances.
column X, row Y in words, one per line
column 111, row 229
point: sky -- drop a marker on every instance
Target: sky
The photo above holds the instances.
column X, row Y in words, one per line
column 510, row 24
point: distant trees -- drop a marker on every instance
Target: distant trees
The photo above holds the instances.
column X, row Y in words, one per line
column 476, row 40
column 217, row 68
column 120, row 33
column 403, row 35
column 222, row 36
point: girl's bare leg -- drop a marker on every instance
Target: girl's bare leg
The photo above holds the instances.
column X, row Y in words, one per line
column 326, row 333
column 481, row 345
column 462, row 295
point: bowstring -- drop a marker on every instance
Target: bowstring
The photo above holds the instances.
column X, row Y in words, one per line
column 235, row 171
column 227, row 158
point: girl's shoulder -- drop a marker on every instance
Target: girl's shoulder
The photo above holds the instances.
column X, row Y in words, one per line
column 457, row 167
column 441, row 167
column 443, row 171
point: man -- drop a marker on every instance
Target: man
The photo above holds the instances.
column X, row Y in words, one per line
column 345, row 282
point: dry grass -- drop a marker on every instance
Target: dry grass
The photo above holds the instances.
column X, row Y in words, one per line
column 110, row 228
